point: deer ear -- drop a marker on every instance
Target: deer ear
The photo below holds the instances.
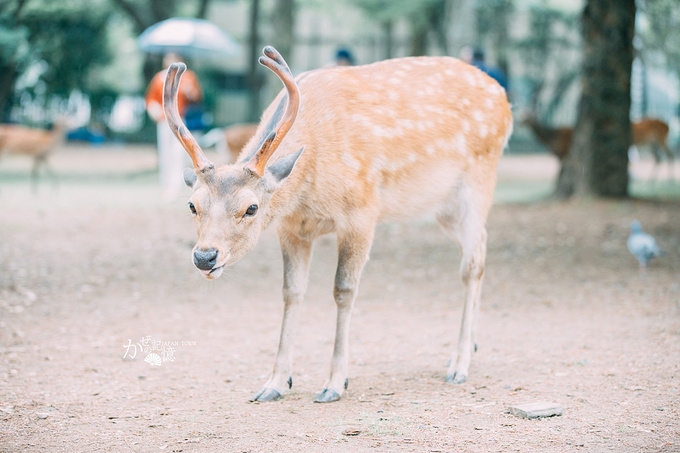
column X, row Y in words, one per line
column 284, row 166
column 189, row 177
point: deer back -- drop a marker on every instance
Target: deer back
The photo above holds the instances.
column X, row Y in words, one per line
column 391, row 137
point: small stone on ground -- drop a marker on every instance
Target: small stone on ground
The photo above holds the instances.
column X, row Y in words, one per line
column 536, row 410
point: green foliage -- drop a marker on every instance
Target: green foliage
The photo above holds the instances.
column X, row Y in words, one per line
column 390, row 10
column 659, row 29
column 542, row 39
column 12, row 42
column 493, row 15
column 69, row 37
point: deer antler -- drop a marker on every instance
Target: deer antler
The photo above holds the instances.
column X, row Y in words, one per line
column 275, row 62
column 170, row 89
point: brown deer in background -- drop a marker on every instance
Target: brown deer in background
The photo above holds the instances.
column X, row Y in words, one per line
column 236, row 137
column 648, row 133
column 354, row 146
column 38, row 144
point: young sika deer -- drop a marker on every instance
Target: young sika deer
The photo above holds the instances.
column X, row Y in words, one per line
column 354, row 146
column 35, row 143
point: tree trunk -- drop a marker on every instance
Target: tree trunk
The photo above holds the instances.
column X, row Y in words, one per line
column 387, row 30
column 597, row 163
column 254, row 51
column 8, row 75
column 418, row 39
column 283, row 21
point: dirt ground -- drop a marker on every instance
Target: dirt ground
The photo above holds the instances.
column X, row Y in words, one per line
column 101, row 263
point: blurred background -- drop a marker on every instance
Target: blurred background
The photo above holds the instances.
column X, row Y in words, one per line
column 83, row 55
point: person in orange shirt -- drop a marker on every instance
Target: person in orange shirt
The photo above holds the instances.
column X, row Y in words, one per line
column 171, row 156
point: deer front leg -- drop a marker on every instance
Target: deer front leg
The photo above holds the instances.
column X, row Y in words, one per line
column 353, row 250
column 296, row 257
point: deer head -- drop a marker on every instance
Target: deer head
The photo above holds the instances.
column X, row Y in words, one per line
column 230, row 204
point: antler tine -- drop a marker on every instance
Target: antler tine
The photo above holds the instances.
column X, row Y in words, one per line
column 275, row 62
column 274, row 54
column 170, row 89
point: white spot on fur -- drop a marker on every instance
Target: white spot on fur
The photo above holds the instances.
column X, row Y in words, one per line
column 460, row 144
column 387, row 132
column 483, row 130
column 362, row 120
column 405, row 124
column 470, row 78
column 477, row 116
column 350, row 161
column 488, row 103
column 466, row 126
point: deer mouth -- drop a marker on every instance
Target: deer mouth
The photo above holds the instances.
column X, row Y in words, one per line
column 213, row 273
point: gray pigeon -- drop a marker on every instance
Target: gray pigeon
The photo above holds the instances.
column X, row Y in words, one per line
column 642, row 245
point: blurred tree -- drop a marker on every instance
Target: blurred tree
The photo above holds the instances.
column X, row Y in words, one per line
column 428, row 16
column 14, row 52
column 492, row 22
column 254, row 79
column 59, row 42
column 423, row 16
column 597, row 163
column 549, row 43
column 283, row 22
column 660, row 31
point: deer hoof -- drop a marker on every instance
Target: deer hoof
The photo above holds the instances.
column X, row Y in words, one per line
column 456, row 378
column 327, row 396
column 266, row 394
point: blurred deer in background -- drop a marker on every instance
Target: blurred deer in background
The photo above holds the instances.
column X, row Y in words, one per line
column 647, row 133
column 32, row 142
column 340, row 150
column 236, row 137
column 229, row 141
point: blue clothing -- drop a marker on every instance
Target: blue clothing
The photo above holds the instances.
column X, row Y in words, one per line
column 493, row 72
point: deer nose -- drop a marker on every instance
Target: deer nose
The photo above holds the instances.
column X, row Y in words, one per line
column 205, row 259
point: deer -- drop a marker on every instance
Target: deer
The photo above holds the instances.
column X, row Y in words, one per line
column 236, row 137
column 229, row 141
column 338, row 151
column 32, row 142
column 649, row 133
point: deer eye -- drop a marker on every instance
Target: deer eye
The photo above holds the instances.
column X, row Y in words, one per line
column 251, row 211
column 193, row 208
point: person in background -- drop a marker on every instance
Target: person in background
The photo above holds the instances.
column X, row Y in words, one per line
column 171, row 156
column 475, row 57
column 343, row 57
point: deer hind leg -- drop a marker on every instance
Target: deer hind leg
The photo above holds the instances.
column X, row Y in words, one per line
column 658, row 159
column 466, row 227
column 671, row 160
column 353, row 250
column 296, row 257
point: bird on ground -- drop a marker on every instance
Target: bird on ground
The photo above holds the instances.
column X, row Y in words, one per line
column 642, row 245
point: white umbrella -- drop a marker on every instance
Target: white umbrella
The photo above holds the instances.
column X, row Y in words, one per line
column 188, row 37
